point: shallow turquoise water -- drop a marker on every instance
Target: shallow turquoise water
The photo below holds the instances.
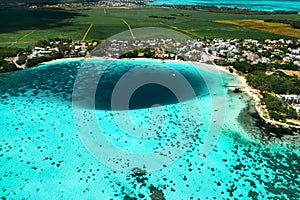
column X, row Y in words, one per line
column 43, row 157
column 266, row 5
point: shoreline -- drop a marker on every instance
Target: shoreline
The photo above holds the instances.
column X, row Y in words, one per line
column 61, row 60
column 202, row 7
column 253, row 93
column 225, row 8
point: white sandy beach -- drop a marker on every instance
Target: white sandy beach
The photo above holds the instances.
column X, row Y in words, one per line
column 64, row 60
column 253, row 93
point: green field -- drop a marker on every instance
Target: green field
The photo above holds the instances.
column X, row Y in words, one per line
column 24, row 27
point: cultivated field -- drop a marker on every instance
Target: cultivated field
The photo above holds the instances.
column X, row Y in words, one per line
column 272, row 27
column 24, row 27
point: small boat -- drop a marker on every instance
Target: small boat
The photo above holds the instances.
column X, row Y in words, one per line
column 214, row 120
column 200, row 123
column 214, row 93
column 173, row 74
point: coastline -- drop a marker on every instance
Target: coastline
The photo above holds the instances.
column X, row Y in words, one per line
column 214, row 6
column 253, row 93
column 233, row 158
column 62, row 60
column 252, row 121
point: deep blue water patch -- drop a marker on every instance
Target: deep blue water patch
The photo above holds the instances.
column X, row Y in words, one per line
column 148, row 94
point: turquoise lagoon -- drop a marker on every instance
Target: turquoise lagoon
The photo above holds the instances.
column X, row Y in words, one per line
column 265, row 5
column 42, row 155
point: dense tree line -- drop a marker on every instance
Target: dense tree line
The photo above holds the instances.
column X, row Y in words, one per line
column 278, row 109
column 34, row 61
column 131, row 54
column 146, row 53
column 162, row 17
column 277, row 82
column 6, row 66
column 22, row 59
column 248, row 68
column 9, row 52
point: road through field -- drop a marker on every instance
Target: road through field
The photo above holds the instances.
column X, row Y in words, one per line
column 129, row 28
column 189, row 32
column 87, row 31
column 18, row 41
column 27, row 35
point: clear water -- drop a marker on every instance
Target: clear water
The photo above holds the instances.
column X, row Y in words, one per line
column 43, row 157
column 266, row 5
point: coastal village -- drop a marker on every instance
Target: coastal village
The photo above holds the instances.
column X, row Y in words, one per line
column 219, row 51
column 67, row 48
column 73, row 4
column 251, row 51
column 205, row 115
column 234, row 50
column 202, row 50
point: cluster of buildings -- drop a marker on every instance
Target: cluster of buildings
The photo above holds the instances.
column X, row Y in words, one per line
column 292, row 99
column 228, row 51
column 201, row 50
column 254, row 51
column 65, row 48
column 190, row 50
column 126, row 3
column 114, row 3
column 73, row 4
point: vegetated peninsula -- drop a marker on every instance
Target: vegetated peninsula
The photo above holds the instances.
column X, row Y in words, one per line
column 270, row 66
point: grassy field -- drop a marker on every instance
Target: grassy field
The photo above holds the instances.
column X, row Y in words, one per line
column 272, row 27
column 21, row 28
